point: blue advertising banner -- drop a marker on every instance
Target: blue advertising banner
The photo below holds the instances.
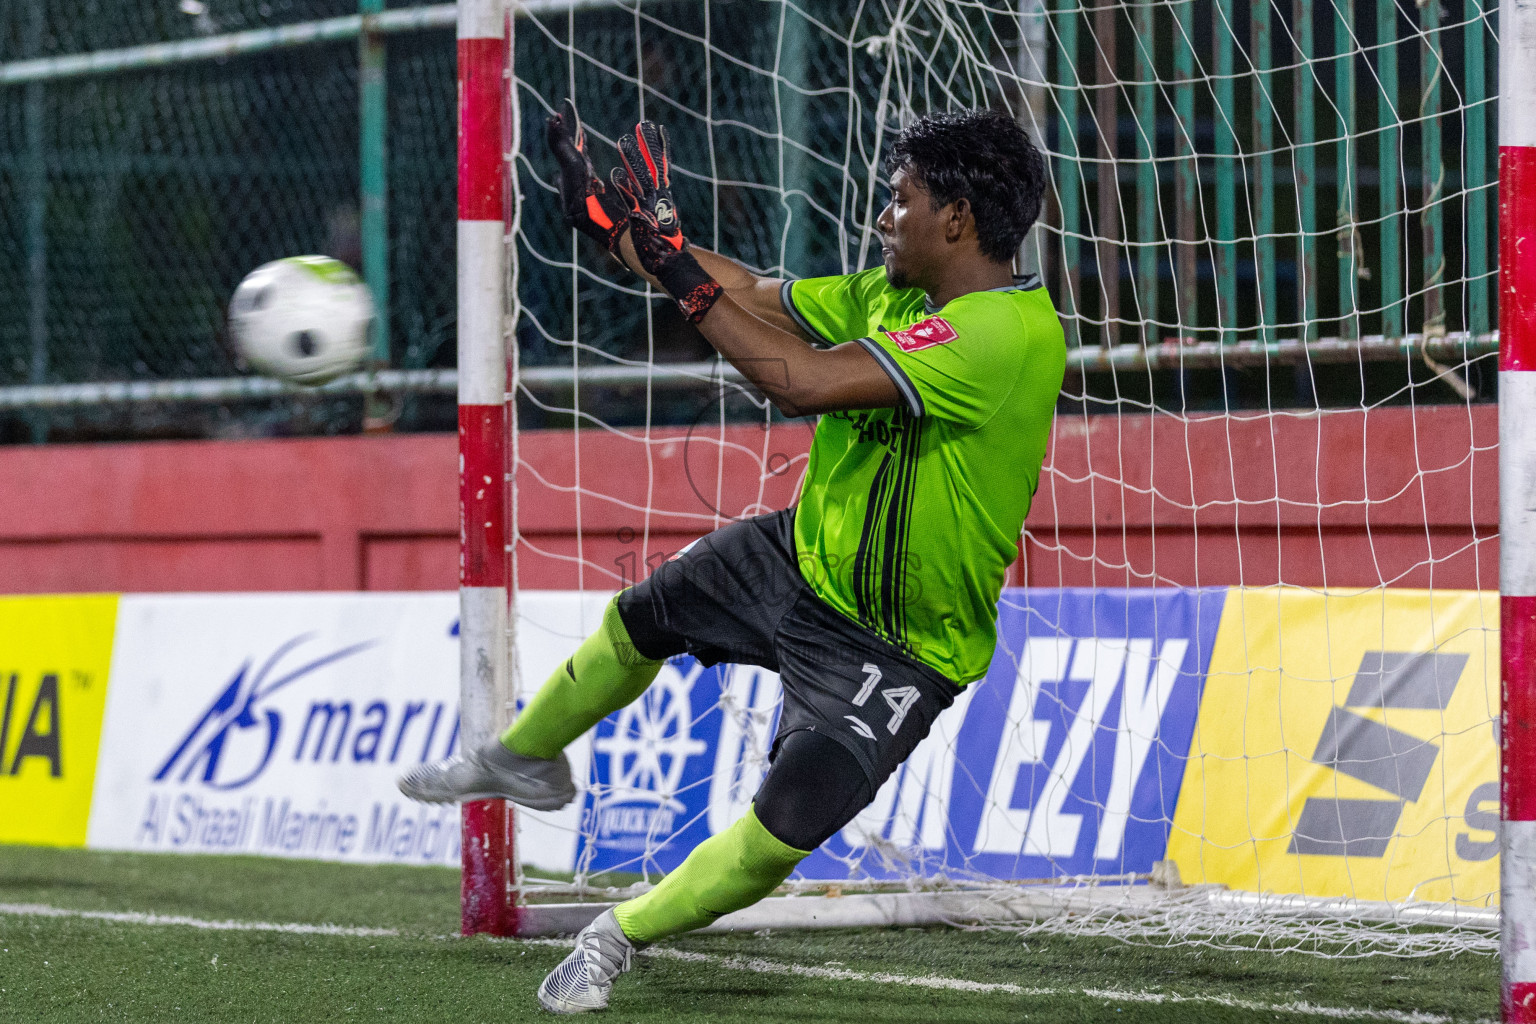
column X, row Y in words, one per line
column 677, row 765
column 1065, row 759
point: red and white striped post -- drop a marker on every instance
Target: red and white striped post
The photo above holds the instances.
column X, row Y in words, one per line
column 1517, row 501
column 488, row 899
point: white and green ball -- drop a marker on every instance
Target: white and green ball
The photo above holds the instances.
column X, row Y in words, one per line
column 302, row 319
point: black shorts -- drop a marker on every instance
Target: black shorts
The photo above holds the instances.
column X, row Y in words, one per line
column 737, row 596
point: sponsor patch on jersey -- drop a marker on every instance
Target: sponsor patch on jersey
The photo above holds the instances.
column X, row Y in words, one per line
column 924, row 334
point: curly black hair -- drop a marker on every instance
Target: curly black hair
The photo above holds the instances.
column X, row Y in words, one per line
column 983, row 156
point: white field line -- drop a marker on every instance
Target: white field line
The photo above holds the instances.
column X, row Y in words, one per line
column 757, row 965
column 40, row 910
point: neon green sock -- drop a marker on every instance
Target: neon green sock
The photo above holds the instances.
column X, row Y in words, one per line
column 605, row 674
column 725, row 872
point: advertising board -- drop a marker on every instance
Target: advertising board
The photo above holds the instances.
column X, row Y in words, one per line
column 1066, row 759
column 53, row 686
column 1348, row 746
column 1277, row 740
column 276, row 724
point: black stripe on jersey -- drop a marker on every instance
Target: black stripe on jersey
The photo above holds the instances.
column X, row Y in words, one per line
column 863, row 565
column 890, row 568
column 880, row 568
column 900, row 530
column 912, row 443
column 880, row 583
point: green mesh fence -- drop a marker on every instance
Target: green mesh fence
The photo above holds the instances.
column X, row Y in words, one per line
column 1224, row 172
column 147, row 195
column 60, row 27
column 160, row 191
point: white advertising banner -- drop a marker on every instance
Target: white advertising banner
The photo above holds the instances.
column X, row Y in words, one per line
column 276, row 724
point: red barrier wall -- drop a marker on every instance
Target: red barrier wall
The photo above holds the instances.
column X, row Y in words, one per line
column 1340, row 499
column 313, row 514
column 1343, row 499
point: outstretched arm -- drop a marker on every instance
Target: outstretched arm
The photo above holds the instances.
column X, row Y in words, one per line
column 800, row 380
column 602, row 213
column 748, row 325
column 756, row 294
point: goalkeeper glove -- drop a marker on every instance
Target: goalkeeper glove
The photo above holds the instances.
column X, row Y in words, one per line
column 665, row 255
column 587, row 205
column 650, row 180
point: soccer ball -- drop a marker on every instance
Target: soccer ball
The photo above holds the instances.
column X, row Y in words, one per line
column 303, row 319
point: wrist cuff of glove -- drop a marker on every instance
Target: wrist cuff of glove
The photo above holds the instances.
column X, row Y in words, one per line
column 613, row 236
column 688, row 283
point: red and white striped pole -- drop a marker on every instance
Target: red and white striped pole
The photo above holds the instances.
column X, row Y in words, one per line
column 1517, row 501
column 488, row 900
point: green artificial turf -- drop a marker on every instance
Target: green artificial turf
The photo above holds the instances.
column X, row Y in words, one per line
column 82, row 969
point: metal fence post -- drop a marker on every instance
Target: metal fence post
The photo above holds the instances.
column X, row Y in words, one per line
column 1389, row 154
column 373, row 179
column 1032, row 111
column 35, row 189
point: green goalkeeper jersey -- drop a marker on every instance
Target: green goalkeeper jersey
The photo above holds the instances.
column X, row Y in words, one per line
column 909, row 517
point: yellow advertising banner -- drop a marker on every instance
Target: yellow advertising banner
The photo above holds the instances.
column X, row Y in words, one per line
column 1347, row 746
column 55, row 653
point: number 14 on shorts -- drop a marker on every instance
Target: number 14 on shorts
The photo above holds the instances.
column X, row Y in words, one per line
column 899, row 698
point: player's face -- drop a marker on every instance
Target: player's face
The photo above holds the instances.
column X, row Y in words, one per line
column 911, row 233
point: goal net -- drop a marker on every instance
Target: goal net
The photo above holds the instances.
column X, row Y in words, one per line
column 1246, row 678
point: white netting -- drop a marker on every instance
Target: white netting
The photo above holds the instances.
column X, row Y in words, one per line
column 1251, row 633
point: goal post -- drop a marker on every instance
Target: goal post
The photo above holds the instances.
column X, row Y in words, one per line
column 1517, row 501
column 488, row 900
column 1246, row 681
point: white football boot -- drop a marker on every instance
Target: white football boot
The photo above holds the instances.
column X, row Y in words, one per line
column 492, row 772
column 584, row 979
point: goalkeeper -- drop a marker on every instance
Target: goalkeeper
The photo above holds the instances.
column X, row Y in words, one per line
column 875, row 597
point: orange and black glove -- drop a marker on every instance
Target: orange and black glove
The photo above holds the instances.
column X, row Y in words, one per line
column 653, row 224
column 586, row 203
column 648, row 167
